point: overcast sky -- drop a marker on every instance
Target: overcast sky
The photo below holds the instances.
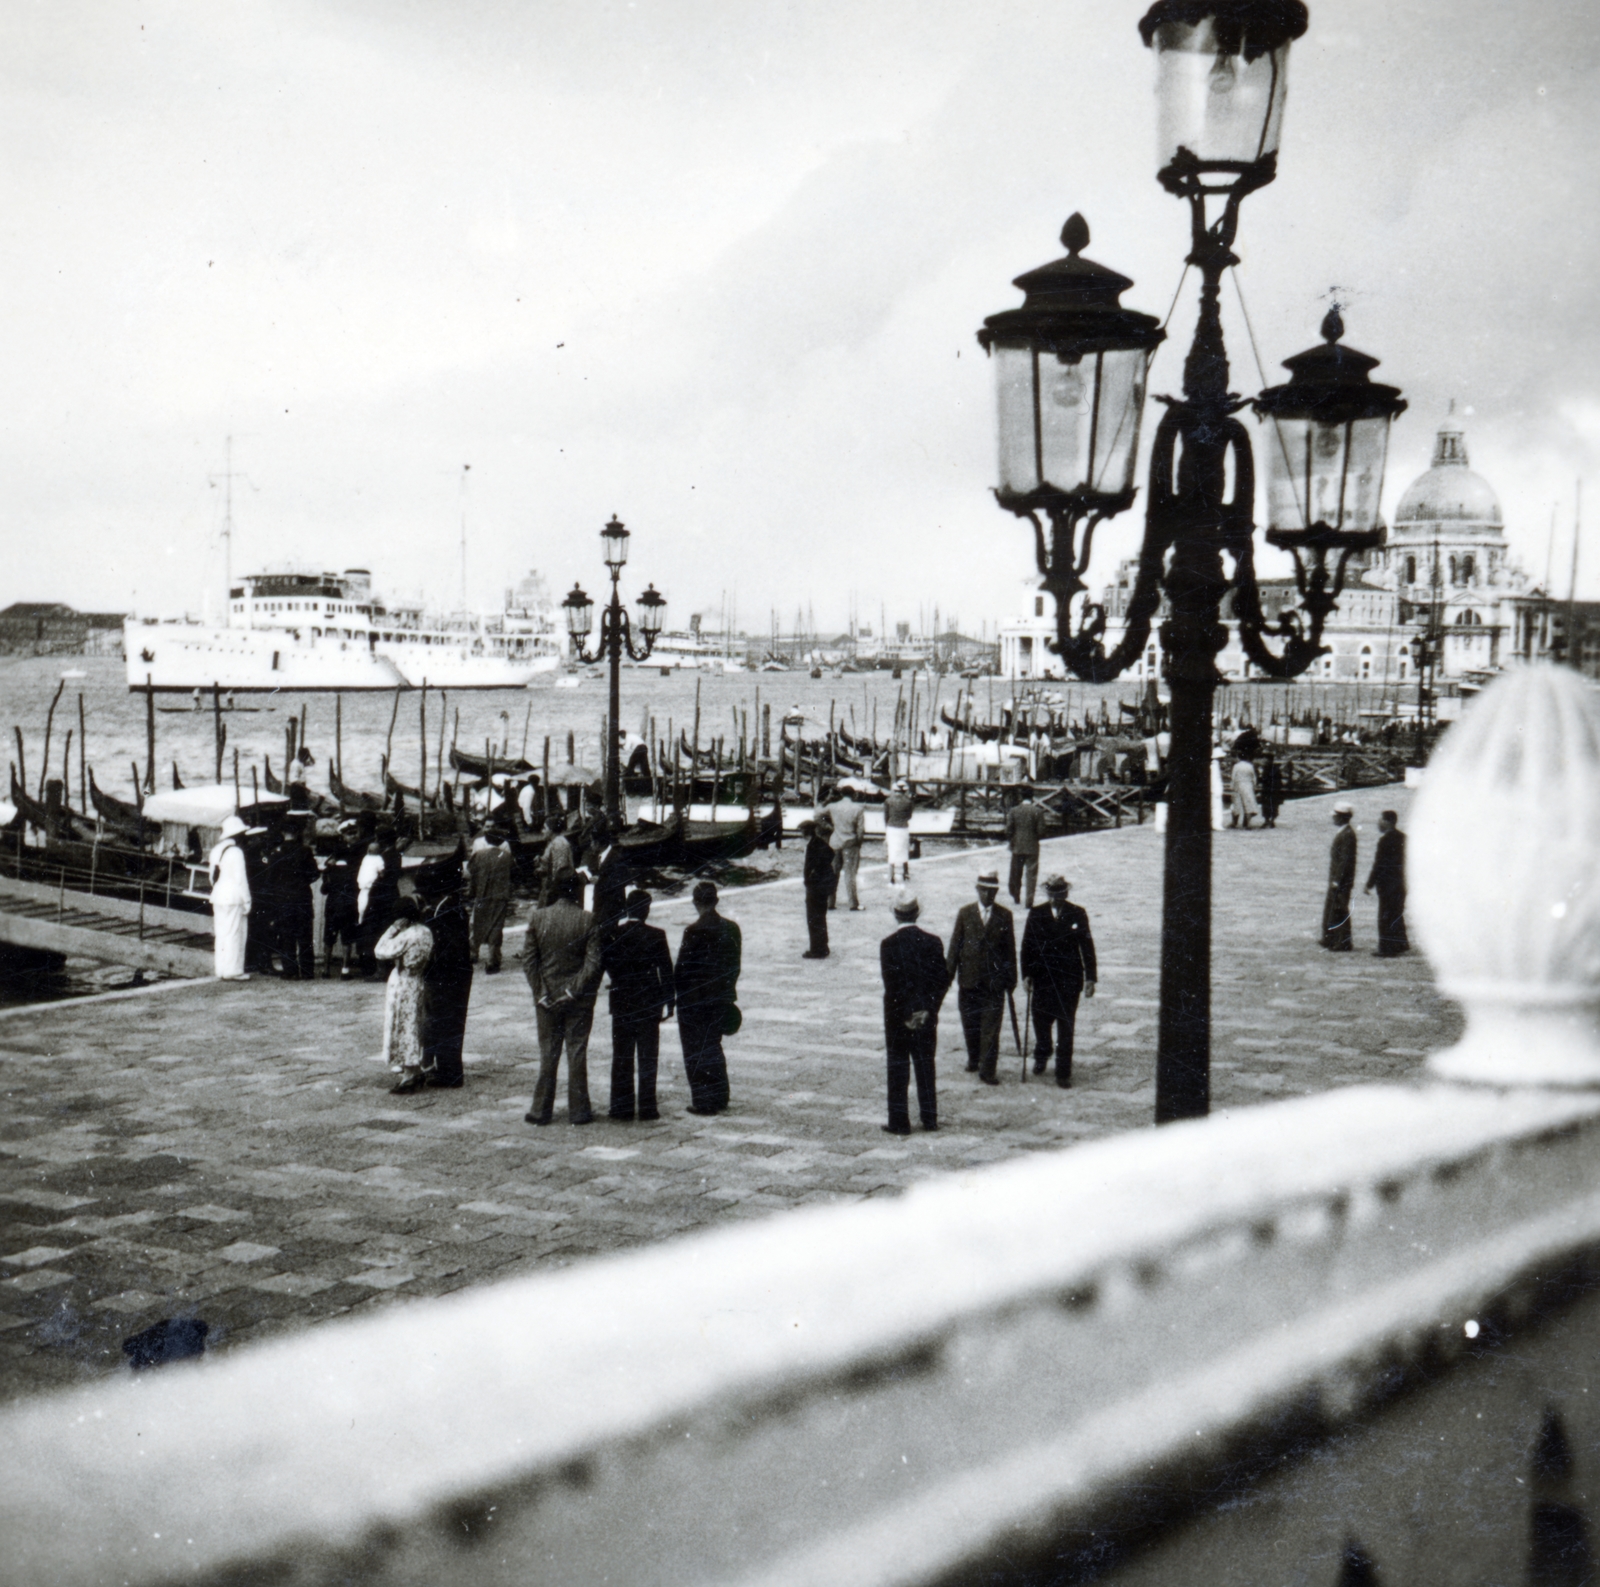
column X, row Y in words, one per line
column 716, row 267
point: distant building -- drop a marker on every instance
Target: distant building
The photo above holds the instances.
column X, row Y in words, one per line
column 1446, row 561
column 50, row 628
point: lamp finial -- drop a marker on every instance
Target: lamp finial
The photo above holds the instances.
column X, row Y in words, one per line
column 1075, row 234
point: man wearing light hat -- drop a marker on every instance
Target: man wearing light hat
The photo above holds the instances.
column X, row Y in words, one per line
column 1058, row 966
column 897, row 810
column 914, row 984
column 1341, row 882
column 982, row 960
column 230, row 900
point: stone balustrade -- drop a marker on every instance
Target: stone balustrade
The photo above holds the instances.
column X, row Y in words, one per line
column 1346, row 1339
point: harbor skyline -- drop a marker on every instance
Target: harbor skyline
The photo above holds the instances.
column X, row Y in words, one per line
column 718, row 276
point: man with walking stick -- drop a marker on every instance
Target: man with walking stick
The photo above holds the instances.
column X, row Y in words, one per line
column 982, row 960
column 1058, row 965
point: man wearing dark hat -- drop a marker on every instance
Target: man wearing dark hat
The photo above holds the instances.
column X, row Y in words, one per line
column 295, row 873
column 447, row 978
column 561, row 959
column 341, row 919
column 1341, row 882
column 706, row 980
column 636, row 957
column 817, row 880
column 557, row 860
column 914, row 984
column 489, row 886
column 1058, row 966
column 982, row 960
column 1024, row 829
column 1388, row 876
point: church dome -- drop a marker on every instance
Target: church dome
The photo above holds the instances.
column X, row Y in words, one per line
column 1449, row 492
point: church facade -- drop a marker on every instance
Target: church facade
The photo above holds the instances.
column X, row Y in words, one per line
column 1445, row 565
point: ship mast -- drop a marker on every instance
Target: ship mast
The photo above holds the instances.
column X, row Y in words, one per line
column 466, row 469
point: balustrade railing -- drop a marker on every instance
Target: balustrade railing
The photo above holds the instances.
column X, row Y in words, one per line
column 1346, row 1339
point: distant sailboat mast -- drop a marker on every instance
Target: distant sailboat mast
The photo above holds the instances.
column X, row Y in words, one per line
column 466, row 469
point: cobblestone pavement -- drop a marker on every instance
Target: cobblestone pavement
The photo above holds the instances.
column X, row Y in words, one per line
column 232, row 1152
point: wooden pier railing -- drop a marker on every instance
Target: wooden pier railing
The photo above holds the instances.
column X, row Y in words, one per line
column 1348, row 1339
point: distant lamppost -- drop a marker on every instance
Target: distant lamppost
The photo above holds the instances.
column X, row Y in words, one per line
column 616, row 636
column 1070, row 369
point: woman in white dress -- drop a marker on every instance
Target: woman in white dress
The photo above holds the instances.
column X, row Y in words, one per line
column 410, row 945
column 230, row 901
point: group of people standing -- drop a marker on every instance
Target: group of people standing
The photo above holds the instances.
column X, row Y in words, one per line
column 1387, row 878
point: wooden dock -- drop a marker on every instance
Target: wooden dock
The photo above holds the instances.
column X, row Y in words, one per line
column 115, row 930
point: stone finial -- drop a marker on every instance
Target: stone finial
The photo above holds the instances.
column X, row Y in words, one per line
column 1505, row 880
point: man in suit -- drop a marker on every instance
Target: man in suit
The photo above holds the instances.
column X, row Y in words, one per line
column 1024, row 829
column 489, row 885
column 636, row 957
column 561, row 959
column 1058, row 965
column 982, row 960
column 706, row 980
column 914, row 984
column 817, row 881
column 1341, row 882
column 1388, row 875
column 849, row 828
column 606, row 868
column 557, row 860
column 447, row 979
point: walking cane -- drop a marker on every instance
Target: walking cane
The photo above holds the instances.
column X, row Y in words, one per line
column 1016, row 1030
column 1027, row 1019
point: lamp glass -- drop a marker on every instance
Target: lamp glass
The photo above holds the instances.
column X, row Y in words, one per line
column 1326, row 473
column 1068, row 424
column 580, row 612
column 614, row 544
column 1217, row 106
column 652, row 610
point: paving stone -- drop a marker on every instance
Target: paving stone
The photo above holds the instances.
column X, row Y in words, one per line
column 247, row 1251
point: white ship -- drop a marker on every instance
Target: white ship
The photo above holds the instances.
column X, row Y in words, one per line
column 308, row 632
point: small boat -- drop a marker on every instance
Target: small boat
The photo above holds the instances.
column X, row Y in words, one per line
column 652, row 842
column 177, row 781
column 481, row 766
column 352, row 799
column 119, row 814
column 36, row 814
column 708, row 842
column 392, row 786
column 273, row 784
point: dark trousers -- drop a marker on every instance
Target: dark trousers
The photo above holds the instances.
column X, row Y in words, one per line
column 817, row 918
column 631, row 1039
column 566, row 1025
column 1336, row 921
column 911, row 1052
column 488, row 928
column 1024, row 878
column 700, row 1031
column 297, row 942
column 445, row 1026
column 982, row 1014
column 1060, row 1011
column 1392, row 938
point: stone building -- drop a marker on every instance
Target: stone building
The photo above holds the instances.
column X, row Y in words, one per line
column 51, row 628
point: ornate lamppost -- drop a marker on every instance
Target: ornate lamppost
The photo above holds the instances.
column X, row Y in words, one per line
column 1070, row 370
column 616, row 636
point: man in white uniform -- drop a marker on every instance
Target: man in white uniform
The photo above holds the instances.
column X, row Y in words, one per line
column 230, row 901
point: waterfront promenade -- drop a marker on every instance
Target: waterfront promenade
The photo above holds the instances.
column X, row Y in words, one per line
column 231, row 1151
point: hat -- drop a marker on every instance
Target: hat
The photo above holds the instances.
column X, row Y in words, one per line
column 906, row 906
column 902, row 785
column 1056, row 883
column 989, row 879
column 808, row 825
column 233, row 827
column 1344, row 808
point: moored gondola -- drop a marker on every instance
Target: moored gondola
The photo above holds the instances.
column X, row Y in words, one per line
column 121, row 816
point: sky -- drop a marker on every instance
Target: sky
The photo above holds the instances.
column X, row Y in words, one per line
column 717, row 269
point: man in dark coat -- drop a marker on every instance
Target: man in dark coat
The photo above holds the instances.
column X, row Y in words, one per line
column 706, row 980
column 1270, row 786
column 447, row 980
column 982, row 960
column 817, row 879
column 1341, row 882
column 607, row 868
column 340, row 922
column 561, row 959
column 1388, row 876
column 636, row 957
column 1058, row 966
column 489, row 884
column 295, row 874
column 914, row 984
column 1024, row 828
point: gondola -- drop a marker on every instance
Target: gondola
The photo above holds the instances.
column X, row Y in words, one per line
column 272, row 784
column 392, row 786
column 982, row 731
column 480, row 765
column 36, row 813
column 351, row 799
column 708, row 842
column 120, row 815
column 652, row 843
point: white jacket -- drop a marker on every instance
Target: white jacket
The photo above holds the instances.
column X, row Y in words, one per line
column 230, row 885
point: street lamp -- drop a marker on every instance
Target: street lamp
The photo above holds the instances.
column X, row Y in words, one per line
column 1222, row 75
column 616, row 636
